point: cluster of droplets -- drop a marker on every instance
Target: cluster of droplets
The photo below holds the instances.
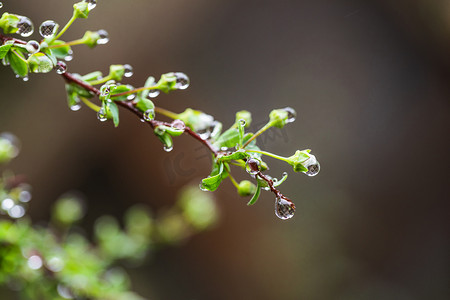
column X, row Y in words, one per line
column 48, row 28
column 284, row 208
column 14, row 203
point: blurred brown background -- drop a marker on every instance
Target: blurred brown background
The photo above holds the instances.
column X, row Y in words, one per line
column 370, row 82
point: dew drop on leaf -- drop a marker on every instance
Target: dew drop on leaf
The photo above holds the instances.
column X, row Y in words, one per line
column 25, row 27
column 149, row 114
column 153, row 93
column 292, row 114
column 168, row 149
column 182, row 81
column 69, row 55
column 33, row 47
column 284, row 209
column 48, row 28
column 312, row 165
column 101, row 115
column 25, row 78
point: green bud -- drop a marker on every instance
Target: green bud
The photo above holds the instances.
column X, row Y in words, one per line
column 8, row 22
column 282, row 116
column 167, row 82
column 304, row 162
column 244, row 115
column 40, row 63
column 164, row 137
column 90, row 38
column 81, row 10
column 246, row 188
column 116, row 72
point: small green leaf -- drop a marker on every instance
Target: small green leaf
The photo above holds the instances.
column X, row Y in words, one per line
column 229, row 139
column 8, row 22
column 90, row 38
column 244, row 115
column 211, row 183
column 144, row 104
column 92, row 76
column 114, row 110
column 148, row 83
column 4, row 50
column 62, row 51
column 239, row 154
column 18, row 63
column 256, row 195
column 120, row 89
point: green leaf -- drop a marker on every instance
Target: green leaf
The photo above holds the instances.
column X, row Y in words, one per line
column 40, row 63
column 229, row 139
column 144, row 104
column 148, row 83
column 120, row 89
column 8, row 22
column 239, row 154
column 256, row 195
column 4, row 50
column 18, row 63
column 116, row 72
column 114, row 110
column 90, row 38
column 50, row 54
column 60, row 52
column 211, row 183
column 92, row 76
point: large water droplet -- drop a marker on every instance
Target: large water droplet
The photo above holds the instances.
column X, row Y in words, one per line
column 34, row 262
column 13, row 141
column 101, row 115
column 284, row 209
column 182, row 81
column 25, row 27
column 33, row 47
column 292, row 114
column 128, row 70
column 103, row 37
column 48, row 28
column 153, row 93
column 91, row 4
column 252, row 166
column 313, row 166
column 149, row 114
column 16, row 212
column 178, row 124
column 75, row 107
column 61, row 67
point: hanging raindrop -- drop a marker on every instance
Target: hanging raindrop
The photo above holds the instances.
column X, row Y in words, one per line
column 292, row 114
column 61, row 67
column 48, row 28
column 284, row 209
column 153, row 93
column 182, row 81
column 243, row 123
column 69, row 55
column 91, row 4
column 25, row 78
column 202, row 187
column 149, row 114
column 167, row 149
column 128, row 70
column 103, row 37
column 312, row 165
column 33, row 47
column 25, row 26
column 252, row 166
column 101, row 115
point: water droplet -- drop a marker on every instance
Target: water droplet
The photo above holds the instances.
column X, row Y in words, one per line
column 55, row 264
column 17, row 211
column 153, row 93
column 242, row 121
column 25, row 78
column 34, row 262
column 103, row 37
column 265, row 185
column 149, row 114
column 252, row 166
column 33, row 46
column 13, row 141
column 64, row 292
column 105, row 90
column 61, row 67
column 24, row 196
column 131, row 97
column 313, row 166
column 292, row 114
column 202, row 187
column 48, row 28
column 182, row 81
column 7, row 204
column 223, row 148
column 101, row 115
column 1, row 5
column 25, row 26
column 69, row 55
column 91, row 4
column 75, row 107
column 284, row 208
column 128, row 70
column 168, row 149
column 178, row 124
column 5, row 62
